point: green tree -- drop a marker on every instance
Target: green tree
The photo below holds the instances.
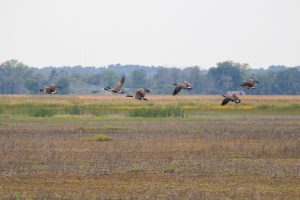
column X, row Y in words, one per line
column 287, row 82
column 138, row 78
column 160, row 82
column 64, row 85
column 32, row 85
column 226, row 76
column 94, row 79
column 53, row 75
column 109, row 78
column 12, row 75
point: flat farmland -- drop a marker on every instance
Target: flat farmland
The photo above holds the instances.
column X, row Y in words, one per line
column 183, row 147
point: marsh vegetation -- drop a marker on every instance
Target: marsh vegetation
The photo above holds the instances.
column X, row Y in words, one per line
column 247, row 151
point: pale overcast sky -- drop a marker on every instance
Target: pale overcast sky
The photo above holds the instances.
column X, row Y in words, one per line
column 150, row 32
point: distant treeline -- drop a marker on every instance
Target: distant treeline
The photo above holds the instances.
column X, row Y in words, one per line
column 18, row 78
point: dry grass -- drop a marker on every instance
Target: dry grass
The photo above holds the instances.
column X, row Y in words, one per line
column 215, row 155
column 96, row 138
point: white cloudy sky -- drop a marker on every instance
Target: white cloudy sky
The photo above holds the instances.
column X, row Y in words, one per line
column 150, row 32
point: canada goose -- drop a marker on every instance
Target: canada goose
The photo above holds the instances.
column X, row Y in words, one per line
column 179, row 86
column 230, row 97
column 118, row 86
column 250, row 84
column 50, row 89
column 140, row 94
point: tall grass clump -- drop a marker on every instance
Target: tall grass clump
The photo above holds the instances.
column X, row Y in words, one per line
column 73, row 110
column 267, row 106
column 1, row 109
column 293, row 106
column 41, row 112
column 170, row 168
column 98, row 137
column 99, row 109
column 36, row 110
column 114, row 128
column 168, row 111
column 277, row 106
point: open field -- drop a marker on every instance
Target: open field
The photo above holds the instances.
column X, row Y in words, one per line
column 112, row 147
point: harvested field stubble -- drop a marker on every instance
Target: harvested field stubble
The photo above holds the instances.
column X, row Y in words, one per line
column 208, row 154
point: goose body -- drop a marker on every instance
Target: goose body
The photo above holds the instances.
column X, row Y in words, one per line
column 140, row 94
column 249, row 84
column 230, row 97
column 50, row 89
column 185, row 85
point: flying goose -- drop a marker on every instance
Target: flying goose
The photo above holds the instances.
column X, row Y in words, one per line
column 230, row 97
column 118, row 86
column 250, row 84
column 140, row 94
column 50, row 89
column 185, row 85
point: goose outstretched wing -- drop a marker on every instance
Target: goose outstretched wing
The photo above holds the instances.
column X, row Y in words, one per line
column 225, row 101
column 177, row 90
column 119, row 85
